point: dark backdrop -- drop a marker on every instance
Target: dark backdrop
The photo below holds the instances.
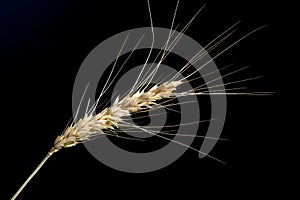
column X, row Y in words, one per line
column 43, row 44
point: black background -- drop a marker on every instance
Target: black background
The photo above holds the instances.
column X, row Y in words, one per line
column 42, row 46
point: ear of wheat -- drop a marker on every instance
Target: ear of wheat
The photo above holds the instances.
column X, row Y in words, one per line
column 94, row 124
column 109, row 118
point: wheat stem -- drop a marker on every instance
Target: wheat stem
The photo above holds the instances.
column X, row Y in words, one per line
column 32, row 174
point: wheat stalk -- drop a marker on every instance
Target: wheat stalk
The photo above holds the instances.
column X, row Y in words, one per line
column 92, row 125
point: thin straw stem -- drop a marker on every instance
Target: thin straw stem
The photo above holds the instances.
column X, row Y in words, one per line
column 32, row 175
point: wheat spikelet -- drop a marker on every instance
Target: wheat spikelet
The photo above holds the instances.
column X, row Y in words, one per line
column 92, row 125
